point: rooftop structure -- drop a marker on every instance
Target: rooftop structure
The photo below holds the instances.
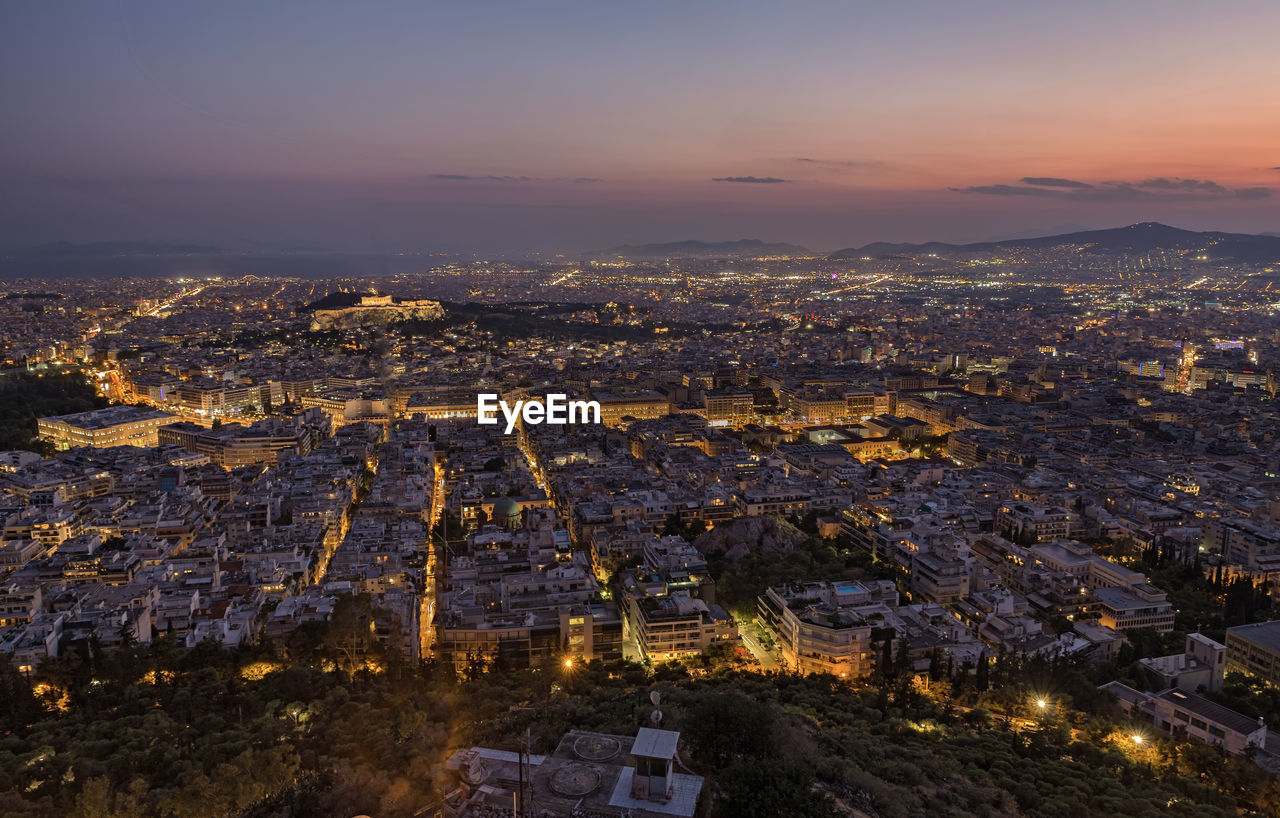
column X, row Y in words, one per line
column 103, row 428
column 586, row 774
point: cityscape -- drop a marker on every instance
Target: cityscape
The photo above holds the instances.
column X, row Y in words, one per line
column 557, row 497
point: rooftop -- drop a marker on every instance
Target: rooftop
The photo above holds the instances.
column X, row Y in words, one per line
column 1264, row 634
column 1211, row 711
column 111, row 416
column 653, row 743
column 587, row 773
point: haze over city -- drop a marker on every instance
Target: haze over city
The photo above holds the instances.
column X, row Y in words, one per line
column 563, row 126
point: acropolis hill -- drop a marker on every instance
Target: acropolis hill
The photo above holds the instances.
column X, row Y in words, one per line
column 376, row 309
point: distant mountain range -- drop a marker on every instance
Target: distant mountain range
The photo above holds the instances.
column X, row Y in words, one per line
column 685, row 249
column 139, row 258
column 1136, row 238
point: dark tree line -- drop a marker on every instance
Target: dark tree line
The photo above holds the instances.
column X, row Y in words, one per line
column 26, row 396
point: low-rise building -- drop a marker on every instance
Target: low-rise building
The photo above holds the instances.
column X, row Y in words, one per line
column 1180, row 713
column 1133, row 607
column 678, row 624
column 589, row 774
column 1255, row 651
column 623, row 402
column 1028, row 522
column 827, row 627
column 103, row 428
column 1200, row 665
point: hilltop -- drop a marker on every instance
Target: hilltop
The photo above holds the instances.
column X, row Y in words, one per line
column 1143, row 237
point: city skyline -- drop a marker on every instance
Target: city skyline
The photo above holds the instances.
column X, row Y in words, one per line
column 588, row 410
column 571, row 127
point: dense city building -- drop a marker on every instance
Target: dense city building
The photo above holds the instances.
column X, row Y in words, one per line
column 980, row 485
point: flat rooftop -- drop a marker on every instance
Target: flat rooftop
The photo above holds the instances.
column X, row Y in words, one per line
column 1211, row 711
column 111, row 416
column 1263, row 634
column 587, row 773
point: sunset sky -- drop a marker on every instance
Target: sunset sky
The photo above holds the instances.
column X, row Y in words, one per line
column 505, row 126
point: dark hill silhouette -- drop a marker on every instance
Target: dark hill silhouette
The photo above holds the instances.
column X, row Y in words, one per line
column 336, row 300
column 1136, row 238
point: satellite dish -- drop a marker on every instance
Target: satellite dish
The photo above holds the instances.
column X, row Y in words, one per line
column 656, row 717
column 655, row 697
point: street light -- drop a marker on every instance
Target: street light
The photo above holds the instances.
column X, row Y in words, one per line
column 1041, row 703
column 568, row 664
column 1137, row 739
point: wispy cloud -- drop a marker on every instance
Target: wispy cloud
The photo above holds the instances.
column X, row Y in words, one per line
column 838, row 164
column 751, row 180
column 1253, row 193
column 493, row 177
column 1179, row 185
column 1160, row 187
column 1009, row 190
column 464, row 177
column 1054, row 181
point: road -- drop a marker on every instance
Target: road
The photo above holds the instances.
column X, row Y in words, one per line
column 168, row 304
column 766, row 659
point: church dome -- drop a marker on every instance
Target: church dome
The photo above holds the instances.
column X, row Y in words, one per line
column 506, row 512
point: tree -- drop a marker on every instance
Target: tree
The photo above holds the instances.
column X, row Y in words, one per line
column 722, row 726
column 21, row 707
column 936, row 666
column 982, row 677
column 97, row 799
column 886, row 666
column 26, row 396
column 755, row 790
column 350, row 632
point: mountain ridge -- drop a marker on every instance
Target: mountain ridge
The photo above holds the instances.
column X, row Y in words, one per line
column 1135, row 238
